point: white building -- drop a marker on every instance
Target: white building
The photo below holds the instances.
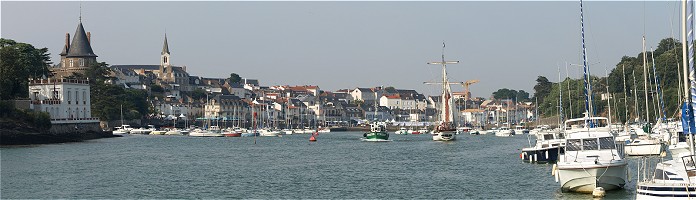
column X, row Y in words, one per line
column 398, row 102
column 66, row 100
column 366, row 95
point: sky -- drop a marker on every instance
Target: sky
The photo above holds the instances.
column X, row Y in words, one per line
column 343, row 45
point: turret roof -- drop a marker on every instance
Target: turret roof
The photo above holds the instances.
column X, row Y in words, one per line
column 80, row 46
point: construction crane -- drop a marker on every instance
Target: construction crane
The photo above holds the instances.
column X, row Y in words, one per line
column 467, row 94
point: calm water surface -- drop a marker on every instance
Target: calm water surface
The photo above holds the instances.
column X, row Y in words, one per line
column 339, row 165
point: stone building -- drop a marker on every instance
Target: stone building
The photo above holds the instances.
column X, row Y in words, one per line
column 77, row 55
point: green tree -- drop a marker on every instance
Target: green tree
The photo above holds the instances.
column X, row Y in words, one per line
column 18, row 63
column 505, row 94
column 522, row 95
column 235, row 78
column 198, row 94
column 542, row 88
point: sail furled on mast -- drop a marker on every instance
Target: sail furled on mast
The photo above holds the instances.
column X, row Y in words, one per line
column 663, row 116
column 688, row 107
column 588, row 88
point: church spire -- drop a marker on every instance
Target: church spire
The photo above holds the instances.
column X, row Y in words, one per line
column 165, row 48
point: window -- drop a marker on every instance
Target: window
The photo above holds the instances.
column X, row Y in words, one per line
column 84, row 97
column 589, row 144
column 573, row 145
column 81, row 61
column 77, row 98
column 69, row 97
column 606, row 143
column 71, row 63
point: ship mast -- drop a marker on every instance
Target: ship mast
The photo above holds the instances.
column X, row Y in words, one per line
column 446, row 113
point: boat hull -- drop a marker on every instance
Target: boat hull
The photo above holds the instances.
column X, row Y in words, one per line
column 232, row 134
column 444, row 136
column 643, row 149
column 250, row 134
column 205, row 134
column 376, row 136
column 585, row 180
column 653, row 190
column 541, row 155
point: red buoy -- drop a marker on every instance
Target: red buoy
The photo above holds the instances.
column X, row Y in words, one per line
column 312, row 139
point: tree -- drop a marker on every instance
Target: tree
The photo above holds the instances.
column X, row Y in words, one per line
column 505, row 94
column 18, row 63
column 235, row 78
column 522, row 95
column 542, row 88
column 198, row 94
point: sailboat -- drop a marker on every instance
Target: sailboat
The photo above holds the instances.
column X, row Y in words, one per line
column 591, row 160
column 378, row 130
column 445, row 129
column 124, row 128
column 676, row 178
column 644, row 145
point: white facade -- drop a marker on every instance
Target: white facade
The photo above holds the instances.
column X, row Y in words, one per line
column 365, row 94
column 63, row 99
column 393, row 102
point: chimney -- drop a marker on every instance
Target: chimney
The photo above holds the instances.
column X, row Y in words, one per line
column 67, row 41
column 89, row 38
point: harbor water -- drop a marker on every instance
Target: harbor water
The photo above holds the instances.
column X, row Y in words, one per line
column 338, row 165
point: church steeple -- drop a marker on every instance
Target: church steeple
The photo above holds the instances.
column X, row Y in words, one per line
column 165, row 64
column 165, row 48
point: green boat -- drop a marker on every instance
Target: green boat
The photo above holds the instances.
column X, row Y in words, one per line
column 378, row 132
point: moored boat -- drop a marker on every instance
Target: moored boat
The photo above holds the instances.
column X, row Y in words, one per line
column 591, row 159
column 378, row 133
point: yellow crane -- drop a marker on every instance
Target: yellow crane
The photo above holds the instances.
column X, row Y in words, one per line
column 467, row 93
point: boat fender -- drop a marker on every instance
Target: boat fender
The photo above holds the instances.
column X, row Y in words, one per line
column 546, row 155
column 364, row 134
column 521, row 155
column 535, row 157
column 598, row 192
column 553, row 170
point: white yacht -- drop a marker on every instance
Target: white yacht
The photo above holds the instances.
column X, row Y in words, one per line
column 673, row 179
column 549, row 145
column 591, row 159
column 268, row 133
column 212, row 131
column 504, row 132
column 123, row 129
column 173, row 131
column 643, row 146
column 402, row 131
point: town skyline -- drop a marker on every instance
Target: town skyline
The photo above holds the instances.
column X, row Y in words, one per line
column 380, row 47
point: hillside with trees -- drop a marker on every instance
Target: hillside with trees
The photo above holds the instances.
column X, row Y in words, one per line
column 667, row 62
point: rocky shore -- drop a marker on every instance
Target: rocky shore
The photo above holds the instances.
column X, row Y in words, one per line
column 13, row 132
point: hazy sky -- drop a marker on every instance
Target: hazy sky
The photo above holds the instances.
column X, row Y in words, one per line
column 340, row 45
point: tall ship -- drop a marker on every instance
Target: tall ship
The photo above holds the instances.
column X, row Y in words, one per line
column 445, row 129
